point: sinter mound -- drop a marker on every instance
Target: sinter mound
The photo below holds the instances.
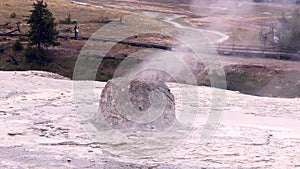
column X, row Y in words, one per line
column 137, row 105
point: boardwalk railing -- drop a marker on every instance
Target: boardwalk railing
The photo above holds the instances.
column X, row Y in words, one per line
column 257, row 51
column 137, row 44
column 235, row 50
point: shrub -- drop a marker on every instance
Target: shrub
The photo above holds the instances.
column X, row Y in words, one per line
column 104, row 19
column 17, row 46
column 290, row 31
column 13, row 15
column 37, row 55
column 67, row 20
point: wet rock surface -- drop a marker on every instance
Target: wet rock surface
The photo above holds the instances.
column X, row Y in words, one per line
column 40, row 129
column 137, row 105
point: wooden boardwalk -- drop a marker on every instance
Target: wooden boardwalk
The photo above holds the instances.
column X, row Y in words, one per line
column 233, row 50
column 137, row 44
column 257, row 51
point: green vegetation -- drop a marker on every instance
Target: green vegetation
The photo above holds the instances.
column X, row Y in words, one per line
column 38, row 55
column 243, row 78
column 246, row 79
column 42, row 33
column 104, row 19
column 13, row 15
column 42, row 27
column 17, row 46
column 290, row 31
column 62, row 59
column 21, row 53
column 68, row 20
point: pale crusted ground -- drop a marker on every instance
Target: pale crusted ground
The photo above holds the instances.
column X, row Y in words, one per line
column 40, row 129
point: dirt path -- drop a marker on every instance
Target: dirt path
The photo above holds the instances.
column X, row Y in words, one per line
column 222, row 37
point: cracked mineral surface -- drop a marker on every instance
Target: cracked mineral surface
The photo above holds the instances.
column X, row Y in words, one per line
column 40, row 129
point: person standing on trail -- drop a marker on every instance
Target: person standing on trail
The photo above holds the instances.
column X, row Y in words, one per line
column 121, row 20
column 76, row 31
column 263, row 38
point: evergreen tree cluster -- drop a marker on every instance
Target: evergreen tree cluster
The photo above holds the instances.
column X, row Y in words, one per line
column 43, row 31
column 290, row 31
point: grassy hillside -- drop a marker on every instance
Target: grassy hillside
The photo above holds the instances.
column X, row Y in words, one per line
column 90, row 19
column 63, row 56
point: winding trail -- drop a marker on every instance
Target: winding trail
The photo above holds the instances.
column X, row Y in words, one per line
column 171, row 20
column 168, row 19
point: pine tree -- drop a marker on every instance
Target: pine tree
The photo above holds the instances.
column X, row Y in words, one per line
column 43, row 29
column 290, row 31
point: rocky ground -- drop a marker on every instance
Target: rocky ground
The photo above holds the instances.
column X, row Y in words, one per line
column 40, row 128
